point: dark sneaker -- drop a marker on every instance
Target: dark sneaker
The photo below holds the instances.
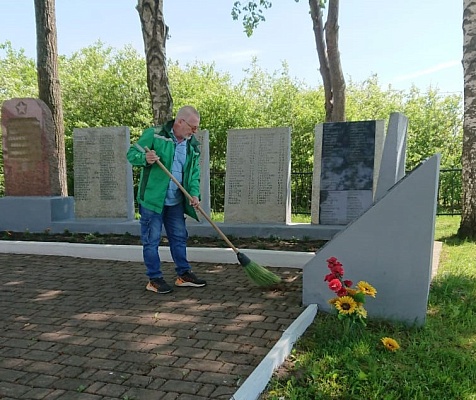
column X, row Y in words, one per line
column 189, row 279
column 159, row 285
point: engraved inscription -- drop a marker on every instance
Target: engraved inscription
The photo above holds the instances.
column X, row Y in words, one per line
column 347, row 170
column 101, row 181
column 257, row 175
column 23, row 140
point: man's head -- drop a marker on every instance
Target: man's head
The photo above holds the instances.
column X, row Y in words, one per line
column 186, row 122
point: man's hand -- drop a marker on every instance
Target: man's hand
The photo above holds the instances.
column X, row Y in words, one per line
column 195, row 202
column 151, row 157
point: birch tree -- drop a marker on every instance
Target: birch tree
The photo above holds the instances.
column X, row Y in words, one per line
column 468, row 217
column 326, row 36
column 154, row 33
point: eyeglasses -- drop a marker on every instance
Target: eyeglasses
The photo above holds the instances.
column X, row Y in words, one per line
column 193, row 128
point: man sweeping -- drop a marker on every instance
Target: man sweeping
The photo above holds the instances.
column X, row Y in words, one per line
column 160, row 201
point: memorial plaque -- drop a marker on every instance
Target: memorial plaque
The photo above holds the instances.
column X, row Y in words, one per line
column 103, row 185
column 30, row 156
column 346, row 160
column 258, row 176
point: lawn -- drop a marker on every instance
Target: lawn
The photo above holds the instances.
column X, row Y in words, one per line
column 435, row 361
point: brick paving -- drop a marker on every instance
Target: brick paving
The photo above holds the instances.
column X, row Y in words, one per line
column 73, row 328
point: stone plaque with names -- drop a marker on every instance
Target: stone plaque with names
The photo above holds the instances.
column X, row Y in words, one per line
column 346, row 162
column 258, row 176
column 30, row 156
column 103, row 186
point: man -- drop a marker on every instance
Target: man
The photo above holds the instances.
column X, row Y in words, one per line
column 161, row 203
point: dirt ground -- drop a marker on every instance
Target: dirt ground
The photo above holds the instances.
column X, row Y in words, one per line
column 274, row 243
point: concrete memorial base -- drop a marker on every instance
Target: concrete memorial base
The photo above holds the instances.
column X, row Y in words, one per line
column 56, row 214
column 33, row 213
column 117, row 226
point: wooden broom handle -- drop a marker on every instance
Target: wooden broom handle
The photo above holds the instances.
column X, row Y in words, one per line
column 199, row 208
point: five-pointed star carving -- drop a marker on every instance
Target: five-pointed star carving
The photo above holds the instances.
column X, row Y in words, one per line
column 21, row 108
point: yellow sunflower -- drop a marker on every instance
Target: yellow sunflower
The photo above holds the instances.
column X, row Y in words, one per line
column 367, row 288
column 345, row 305
column 351, row 292
column 390, row 344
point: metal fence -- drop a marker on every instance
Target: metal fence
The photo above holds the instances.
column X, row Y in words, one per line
column 449, row 192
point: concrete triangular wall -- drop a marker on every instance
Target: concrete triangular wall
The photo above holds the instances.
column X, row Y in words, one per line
column 390, row 246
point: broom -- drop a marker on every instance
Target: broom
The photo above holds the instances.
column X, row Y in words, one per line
column 258, row 274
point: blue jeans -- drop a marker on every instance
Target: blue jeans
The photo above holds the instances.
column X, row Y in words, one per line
column 173, row 220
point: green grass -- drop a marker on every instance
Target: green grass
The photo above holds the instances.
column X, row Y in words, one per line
column 296, row 218
column 435, row 361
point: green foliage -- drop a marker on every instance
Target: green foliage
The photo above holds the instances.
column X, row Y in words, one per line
column 252, row 14
column 367, row 100
column 434, row 361
column 18, row 73
column 435, row 126
column 102, row 86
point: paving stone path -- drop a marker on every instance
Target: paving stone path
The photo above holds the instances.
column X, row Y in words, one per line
column 73, row 328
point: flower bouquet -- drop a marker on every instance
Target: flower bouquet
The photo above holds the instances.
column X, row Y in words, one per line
column 349, row 301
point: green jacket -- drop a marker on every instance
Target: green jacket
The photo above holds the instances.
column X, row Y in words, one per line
column 153, row 181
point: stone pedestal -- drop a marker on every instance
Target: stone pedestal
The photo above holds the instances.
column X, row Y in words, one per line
column 34, row 213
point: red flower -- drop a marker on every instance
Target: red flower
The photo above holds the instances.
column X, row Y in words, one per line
column 337, row 269
column 331, row 260
column 335, row 285
column 342, row 292
column 329, row 277
column 348, row 283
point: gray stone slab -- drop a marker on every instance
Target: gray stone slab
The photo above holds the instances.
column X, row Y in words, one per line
column 390, row 246
column 103, row 186
column 346, row 164
column 258, row 176
column 392, row 167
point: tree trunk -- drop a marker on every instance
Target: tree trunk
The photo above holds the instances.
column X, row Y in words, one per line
column 468, row 217
column 48, row 79
column 154, row 33
column 329, row 59
column 337, row 78
column 318, row 27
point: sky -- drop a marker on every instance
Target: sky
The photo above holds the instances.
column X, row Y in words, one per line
column 403, row 42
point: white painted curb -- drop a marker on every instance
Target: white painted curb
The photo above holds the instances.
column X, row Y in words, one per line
column 259, row 378
column 268, row 258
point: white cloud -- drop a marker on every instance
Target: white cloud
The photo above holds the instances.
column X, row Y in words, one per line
column 427, row 71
